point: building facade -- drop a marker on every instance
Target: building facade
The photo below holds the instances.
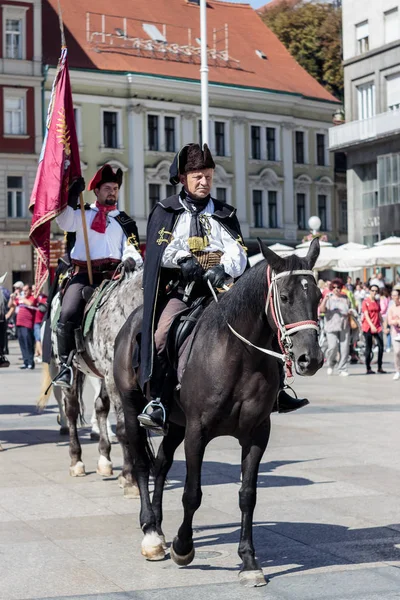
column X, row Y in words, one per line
column 371, row 135
column 269, row 119
column 20, row 130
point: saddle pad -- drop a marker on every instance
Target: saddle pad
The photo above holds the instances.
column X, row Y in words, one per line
column 94, row 304
column 56, row 317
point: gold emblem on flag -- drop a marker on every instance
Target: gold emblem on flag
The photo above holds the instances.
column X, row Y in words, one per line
column 63, row 134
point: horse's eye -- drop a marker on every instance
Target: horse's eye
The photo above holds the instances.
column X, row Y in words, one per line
column 284, row 298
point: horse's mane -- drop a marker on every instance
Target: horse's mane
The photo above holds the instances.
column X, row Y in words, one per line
column 246, row 299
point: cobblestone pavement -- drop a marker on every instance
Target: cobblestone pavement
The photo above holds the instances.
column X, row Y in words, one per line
column 327, row 523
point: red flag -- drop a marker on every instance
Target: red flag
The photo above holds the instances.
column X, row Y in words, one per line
column 59, row 165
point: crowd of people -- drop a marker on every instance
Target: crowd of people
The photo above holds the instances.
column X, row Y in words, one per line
column 22, row 309
column 360, row 317
column 353, row 317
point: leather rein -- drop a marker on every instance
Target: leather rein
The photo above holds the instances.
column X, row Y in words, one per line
column 284, row 330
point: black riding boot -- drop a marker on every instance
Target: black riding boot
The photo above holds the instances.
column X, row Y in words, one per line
column 154, row 415
column 66, row 349
column 285, row 403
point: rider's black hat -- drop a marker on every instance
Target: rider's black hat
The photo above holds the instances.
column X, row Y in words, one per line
column 190, row 158
column 106, row 174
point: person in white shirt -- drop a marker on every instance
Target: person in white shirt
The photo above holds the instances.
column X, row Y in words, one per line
column 112, row 237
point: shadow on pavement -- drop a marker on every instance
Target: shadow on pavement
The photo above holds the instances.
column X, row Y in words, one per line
column 297, row 547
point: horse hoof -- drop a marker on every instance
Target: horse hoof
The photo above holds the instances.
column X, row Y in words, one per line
column 181, row 561
column 131, row 492
column 77, row 470
column 252, row 578
column 104, row 467
column 153, row 546
column 64, row 431
column 164, row 543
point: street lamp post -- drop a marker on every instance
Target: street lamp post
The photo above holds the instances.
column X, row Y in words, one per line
column 204, row 71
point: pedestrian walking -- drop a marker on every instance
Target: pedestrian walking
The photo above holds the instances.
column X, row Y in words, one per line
column 41, row 310
column 336, row 307
column 26, row 304
column 372, row 327
column 4, row 362
column 394, row 323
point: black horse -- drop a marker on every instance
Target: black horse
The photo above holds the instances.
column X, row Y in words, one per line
column 228, row 388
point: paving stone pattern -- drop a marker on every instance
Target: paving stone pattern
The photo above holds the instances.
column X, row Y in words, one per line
column 327, row 522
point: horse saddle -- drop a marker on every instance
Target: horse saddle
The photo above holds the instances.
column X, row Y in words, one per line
column 96, row 300
column 181, row 328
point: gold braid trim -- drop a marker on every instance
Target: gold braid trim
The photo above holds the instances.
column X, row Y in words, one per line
column 163, row 237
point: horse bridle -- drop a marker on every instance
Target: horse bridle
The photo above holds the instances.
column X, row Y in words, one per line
column 284, row 330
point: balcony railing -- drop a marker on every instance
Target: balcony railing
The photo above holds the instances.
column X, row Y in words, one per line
column 357, row 132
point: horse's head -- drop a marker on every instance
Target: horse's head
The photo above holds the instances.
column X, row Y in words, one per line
column 292, row 306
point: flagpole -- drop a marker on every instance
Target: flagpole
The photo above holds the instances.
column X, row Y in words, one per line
column 204, row 72
column 82, row 204
column 86, row 239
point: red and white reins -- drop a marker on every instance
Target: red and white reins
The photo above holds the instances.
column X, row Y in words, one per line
column 284, row 330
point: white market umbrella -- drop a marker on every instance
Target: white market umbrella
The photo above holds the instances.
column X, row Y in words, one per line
column 2, row 278
column 280, row 249
column 383, row 254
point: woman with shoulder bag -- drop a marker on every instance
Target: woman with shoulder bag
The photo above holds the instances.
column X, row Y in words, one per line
column 372, row 327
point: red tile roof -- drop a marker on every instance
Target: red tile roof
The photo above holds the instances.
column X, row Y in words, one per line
column 247, row 33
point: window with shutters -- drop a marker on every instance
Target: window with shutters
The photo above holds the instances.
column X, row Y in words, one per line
column 366, row 100
column 258, row 208
column 393, row 91
column 391, row 25
column 362, row 37
column 15, row 197
column 14, row 106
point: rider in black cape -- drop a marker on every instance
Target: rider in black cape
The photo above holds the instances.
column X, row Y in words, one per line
column 192, row 238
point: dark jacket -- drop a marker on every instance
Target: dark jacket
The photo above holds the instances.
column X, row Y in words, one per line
column 160, row 226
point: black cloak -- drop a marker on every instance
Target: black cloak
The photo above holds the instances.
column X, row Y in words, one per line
column 160, row 226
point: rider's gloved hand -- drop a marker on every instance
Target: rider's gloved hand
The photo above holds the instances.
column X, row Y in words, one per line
column 74, row 191
column 191, row 269
column 129, row 264
column 216, row 276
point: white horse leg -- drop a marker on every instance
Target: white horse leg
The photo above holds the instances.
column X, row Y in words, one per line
column 72, row 410
column 102, row 405
column 57, row 391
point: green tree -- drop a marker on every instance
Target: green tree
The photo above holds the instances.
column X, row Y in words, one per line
column 312, row 32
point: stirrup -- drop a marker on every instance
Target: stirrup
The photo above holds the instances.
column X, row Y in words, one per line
column 146, row 420
column 63, row 370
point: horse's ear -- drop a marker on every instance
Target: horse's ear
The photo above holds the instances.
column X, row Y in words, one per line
column 313, row 253
column 275, row 262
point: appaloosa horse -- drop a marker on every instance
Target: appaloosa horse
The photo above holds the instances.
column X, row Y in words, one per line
column 229, row 387
column 97, row 359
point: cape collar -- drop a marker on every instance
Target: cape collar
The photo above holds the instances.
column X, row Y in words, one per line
column 221, row 210
column 112, row 213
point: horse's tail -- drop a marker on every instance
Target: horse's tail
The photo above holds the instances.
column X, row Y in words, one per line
column 45, row 388
column 79, row 382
